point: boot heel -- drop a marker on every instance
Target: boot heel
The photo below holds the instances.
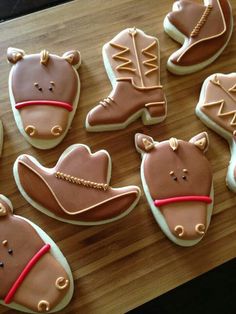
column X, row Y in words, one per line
column 154, row 113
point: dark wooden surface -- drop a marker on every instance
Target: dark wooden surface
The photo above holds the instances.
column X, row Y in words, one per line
column 120, row 266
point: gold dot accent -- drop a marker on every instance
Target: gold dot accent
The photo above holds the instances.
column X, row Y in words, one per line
column 56, row 130
column 4, row 242
column 185, row 170
column 173, row 143
column 171, row 172
column 200, row 229
column 44, row 57
column 179, row 230
column 30, row 130
column 3, row 210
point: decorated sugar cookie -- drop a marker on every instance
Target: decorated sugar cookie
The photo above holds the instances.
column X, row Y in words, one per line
column 44, row 93
column 203, row 30
column 217, row 109
column 34, row 275
column 132, row 62
column 77, row 190
column 177, row 182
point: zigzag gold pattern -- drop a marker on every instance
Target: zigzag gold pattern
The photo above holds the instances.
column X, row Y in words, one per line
column 232, row 89
column 220, row 113
column 202, row 21
column 153, row 58
column 118, row 56
column 79, row 181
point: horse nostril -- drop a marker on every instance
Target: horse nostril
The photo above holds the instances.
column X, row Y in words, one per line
column 56, row 130
column 179, row 230
column 30, row 130
column 61, row 283
column 200, row 229
column 43, row 306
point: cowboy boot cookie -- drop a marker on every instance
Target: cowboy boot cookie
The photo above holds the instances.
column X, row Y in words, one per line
column 203, row 30
column 217, row 109
column 132, row 62
column 34, row 275
column 77, row 189
column 44, row 93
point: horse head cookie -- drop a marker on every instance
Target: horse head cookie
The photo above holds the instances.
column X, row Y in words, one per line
column 44, row 92
column 132, row 62
column 177, row 182
column 34, row 275
column 203, row 30
column 77, row 190
column 217, row 109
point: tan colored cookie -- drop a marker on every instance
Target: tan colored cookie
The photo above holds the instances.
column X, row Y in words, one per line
column 132, row 62
column 177, row 182
column 44, row 93
column 77, row 190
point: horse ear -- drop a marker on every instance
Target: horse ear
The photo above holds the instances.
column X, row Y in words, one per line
column 14, row 54
column 73, row 57
column 5, row 207
column 201, row 141
column 144, row 143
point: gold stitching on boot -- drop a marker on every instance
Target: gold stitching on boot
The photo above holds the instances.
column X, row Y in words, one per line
column 149, row 62
column 117, row 56
column 202, row 21
column 79, row 181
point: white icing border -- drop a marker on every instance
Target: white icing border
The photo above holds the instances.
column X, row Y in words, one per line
column 56, row 252
column 176, row 35
column 230, row 181
column 52, row 215
column 42, row 143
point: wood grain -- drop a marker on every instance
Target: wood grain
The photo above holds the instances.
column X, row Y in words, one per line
column 119, row 266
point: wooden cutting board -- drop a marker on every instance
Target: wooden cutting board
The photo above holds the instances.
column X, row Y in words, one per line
column 118, row 266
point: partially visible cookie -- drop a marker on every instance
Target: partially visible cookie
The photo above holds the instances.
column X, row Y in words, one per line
column 132, row 62
column 217, row 109
column 34, row 275
column 177, row 181
column 77, row 190
column 203, row 30
column 44, row 92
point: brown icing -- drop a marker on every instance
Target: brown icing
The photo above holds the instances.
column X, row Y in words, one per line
column 134, row 60
column 219, row 102
column 207, row 28
column 44, row 77
column 177, row 168
column 16, row 252
column 96, row 204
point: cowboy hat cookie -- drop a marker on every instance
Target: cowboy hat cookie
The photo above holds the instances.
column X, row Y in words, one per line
column 34, row 275
column 132, row 62
column 177, row 182
column 203, row 30
column 44, row 93
column 77, row 190
column 217, row 109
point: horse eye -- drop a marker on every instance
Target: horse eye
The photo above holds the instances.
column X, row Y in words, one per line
column 50, row 88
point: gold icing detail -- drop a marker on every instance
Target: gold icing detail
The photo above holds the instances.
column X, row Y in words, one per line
column 56, row 130
column 36, row 84
column 133, row 34
column 157, row 103
column 44, row 57
column 234, row 132
column 79, row 181
column 149, row 62
column 207, row 38
column 185, row 170
column 202, row 21
column 201, row 143
column 217, row 82
column 3, row 210
column 61, row 283
column 148, row 145
column 30, row 130
column 4, row 242
column 69, row 58
column 179, row 230
column 220, row 113
column 232, row 89
column 171, row 172
column 173, row 143
column 118, row 56
column 52, row 82
column 43, row 305
column 200, row 229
